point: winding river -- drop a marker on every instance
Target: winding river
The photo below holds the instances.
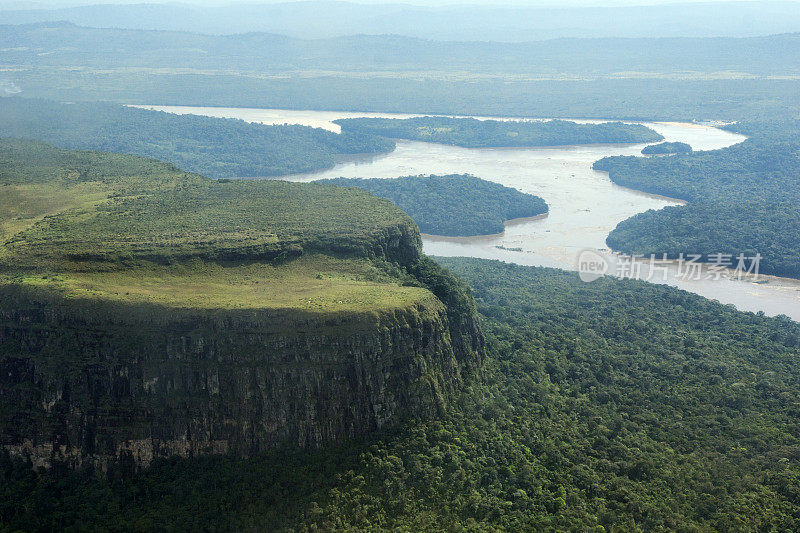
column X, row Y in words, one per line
column 584, row 205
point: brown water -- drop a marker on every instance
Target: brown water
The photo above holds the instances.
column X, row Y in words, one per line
column 584, row 205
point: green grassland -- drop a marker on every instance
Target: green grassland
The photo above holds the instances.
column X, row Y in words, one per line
column 21, row 206
column 38, row 180
column 311, row 284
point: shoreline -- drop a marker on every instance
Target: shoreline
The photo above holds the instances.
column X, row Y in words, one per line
column 408, row 114
column 749, row 296
column 506, row 223
column 677, row 201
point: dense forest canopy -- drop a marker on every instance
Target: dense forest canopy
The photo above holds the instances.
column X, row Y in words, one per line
column 475, row 133
column 667, row 148
column 454, row 205
column 616, row 403
column 218, row 148
column 742, row 199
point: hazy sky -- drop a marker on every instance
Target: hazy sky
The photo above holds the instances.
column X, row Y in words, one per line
column 540, row 3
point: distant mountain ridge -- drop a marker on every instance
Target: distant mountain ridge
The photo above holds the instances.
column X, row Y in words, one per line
column 62, row 44
column 325, row 18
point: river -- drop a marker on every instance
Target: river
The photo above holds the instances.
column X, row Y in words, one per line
column 584, row 205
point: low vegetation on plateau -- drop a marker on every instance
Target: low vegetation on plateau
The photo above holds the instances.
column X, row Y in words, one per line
column 453, row 205
column 153, row 211
column 93, row 224
column 474, row 133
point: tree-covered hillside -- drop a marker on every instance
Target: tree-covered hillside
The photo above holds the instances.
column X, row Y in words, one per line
column 742, row 199
column 613, row 405
column 474, row 133
column 454, row 205
column 667, row 148
column 212, row 146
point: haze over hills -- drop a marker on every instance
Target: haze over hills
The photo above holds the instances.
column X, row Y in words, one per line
column 62, row 44
column 324, row 18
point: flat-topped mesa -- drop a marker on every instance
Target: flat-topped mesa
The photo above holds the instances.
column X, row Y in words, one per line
column 214, row 317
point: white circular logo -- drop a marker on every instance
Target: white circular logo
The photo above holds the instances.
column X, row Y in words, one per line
column 591, row 265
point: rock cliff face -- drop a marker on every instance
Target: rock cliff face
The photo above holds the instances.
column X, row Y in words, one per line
column 90, row 382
